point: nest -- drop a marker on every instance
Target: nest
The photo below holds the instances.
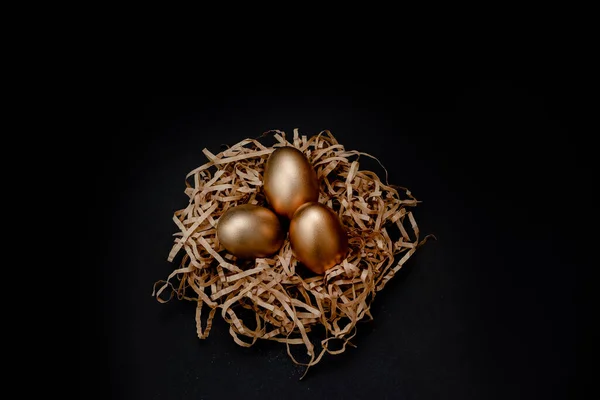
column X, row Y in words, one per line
column 285, row 302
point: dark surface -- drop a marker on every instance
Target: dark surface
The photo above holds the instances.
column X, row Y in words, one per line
column 489, row 310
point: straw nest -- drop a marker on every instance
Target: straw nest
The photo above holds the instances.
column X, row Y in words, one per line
column 284, row 302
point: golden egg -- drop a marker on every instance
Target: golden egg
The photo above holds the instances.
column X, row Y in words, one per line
column 250, row 231
column 289, row 181
column 318, row 239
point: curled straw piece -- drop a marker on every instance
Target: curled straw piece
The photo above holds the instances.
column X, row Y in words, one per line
column 285, row 305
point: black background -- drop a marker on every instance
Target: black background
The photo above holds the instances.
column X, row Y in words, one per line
column 489, row 310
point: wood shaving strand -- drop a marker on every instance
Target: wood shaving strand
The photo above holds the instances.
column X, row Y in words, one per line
column 286, row 306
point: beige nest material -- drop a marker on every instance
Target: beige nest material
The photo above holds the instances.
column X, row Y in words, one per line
column 286, row 304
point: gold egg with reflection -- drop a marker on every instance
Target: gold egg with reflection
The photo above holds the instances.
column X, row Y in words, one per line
column 318, row 239
column 289, row 181
column 250, row 231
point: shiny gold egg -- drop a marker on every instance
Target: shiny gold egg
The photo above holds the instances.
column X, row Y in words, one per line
column 250, row 231
column 289, row 181
column 318, row 239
